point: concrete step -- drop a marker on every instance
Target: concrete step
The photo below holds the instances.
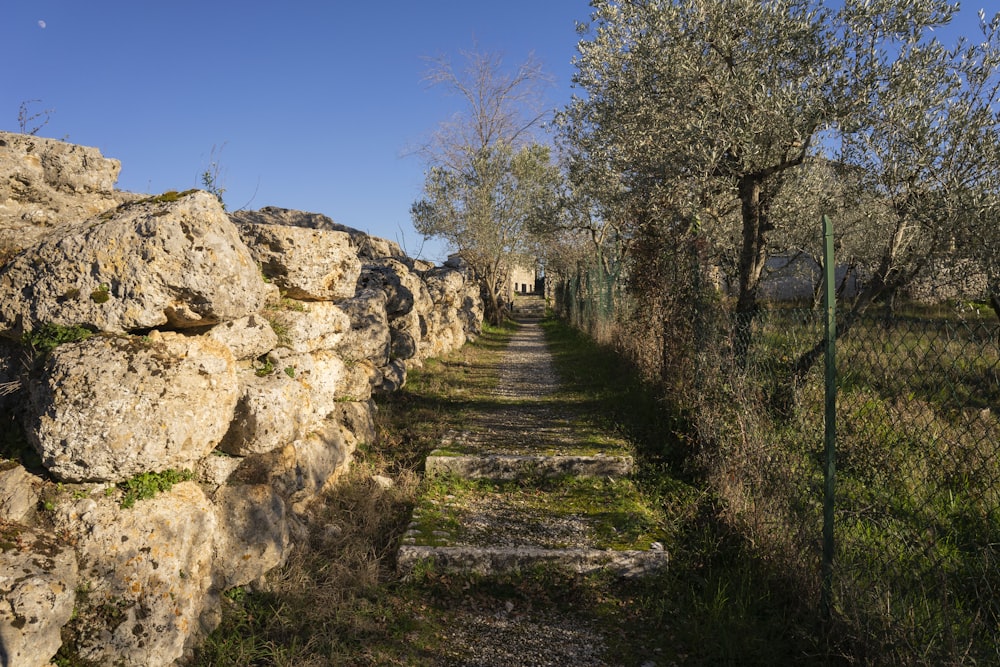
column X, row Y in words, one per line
column 486, row 527
column 497, row 560
column 510, row 467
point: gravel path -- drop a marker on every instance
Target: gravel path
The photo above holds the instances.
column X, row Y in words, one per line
column 527, row 418
column 526, row 370
column 508, row 636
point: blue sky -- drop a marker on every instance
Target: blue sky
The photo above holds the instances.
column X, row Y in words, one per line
column 308, row 105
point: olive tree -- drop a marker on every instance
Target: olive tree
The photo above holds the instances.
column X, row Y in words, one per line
column 699, row 104
column 709, row 109
column 487, row 176
column 925, row 146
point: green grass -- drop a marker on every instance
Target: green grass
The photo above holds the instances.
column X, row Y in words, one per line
column 918, row 479
column 721, row 601
column 339, row 601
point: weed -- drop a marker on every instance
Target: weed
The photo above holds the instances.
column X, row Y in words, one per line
column 48, row 336
column 146, row 485
column 266, row 366
column 281, row 331
column 30, row 122
column 102, row 294
column 211, row 177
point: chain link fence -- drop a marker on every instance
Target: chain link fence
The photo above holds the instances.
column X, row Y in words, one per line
column 916, row 569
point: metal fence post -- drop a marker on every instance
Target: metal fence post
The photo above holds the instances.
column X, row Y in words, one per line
column 830, row 435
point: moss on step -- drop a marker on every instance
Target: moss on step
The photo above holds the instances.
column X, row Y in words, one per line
column 568, row 512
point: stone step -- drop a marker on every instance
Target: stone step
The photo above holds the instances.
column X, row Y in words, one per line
column 529, row 305
column 509, row 467
column 534, row 432
column 488, row 527
column 497, row 560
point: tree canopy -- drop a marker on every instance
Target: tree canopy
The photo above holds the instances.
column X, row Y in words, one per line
column 701, row 115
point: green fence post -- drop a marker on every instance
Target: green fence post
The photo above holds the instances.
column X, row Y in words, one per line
column 830, row 436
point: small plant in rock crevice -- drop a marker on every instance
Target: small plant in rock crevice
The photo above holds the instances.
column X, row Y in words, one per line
column 146, row 485
column 48, row 336
column 102, row 294
column 265, row 367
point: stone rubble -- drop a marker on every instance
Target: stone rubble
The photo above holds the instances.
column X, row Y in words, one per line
column 242, row 347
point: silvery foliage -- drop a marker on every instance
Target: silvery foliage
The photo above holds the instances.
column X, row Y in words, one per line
column 745, row 119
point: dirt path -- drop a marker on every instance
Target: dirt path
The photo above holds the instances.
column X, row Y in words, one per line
column 540, row 515
column 510, row 635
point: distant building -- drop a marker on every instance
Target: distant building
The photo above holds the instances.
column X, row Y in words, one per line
column 521, row 280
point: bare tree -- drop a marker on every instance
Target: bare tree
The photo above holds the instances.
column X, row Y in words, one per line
column 487, row 177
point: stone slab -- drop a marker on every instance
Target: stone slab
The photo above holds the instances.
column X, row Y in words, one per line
column 494, row 560
column 510, row 467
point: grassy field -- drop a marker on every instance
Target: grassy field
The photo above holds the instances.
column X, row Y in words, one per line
column 917, row 513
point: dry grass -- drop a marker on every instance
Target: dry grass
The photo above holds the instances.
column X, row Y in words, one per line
column 918, row 503
column 338, row 599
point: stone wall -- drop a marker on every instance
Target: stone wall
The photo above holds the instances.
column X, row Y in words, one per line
column 154, row 339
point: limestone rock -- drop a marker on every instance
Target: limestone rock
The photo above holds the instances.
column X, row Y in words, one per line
column 359, row 378
column 271, row 412
column 325, row 382
column 38, row 580
column 405, row 334
column 107, row 408
column 369, row 336
column 248, row 337
column 300, row 470
column 45, row 183
column 320, row 459
column 367, row 246
column 308, row 264
column 19, row 492
column 252, row 533
column 472, row 312
column 149, row 570
column 405, row 291
column 437, row 339
column 214, row 471
column 171, row 260
column 357, row 426
column 418, row 265
column 310, row 326
column 445, row 286
column 393, row 376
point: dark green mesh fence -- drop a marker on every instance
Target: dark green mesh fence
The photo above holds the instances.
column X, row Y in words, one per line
column 919, row 518
column 917, row 511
